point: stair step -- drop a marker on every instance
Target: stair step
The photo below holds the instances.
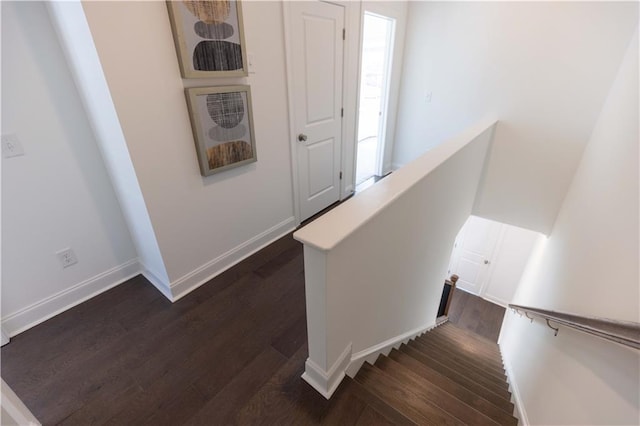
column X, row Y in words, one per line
column 460, row 351
column 490, row 404
column 457, row 376
column 375, row 402
column 473, row 373
column 470, row 347
column 432, row 393
column 455, row 354
column 457, row 332
column 403, row 397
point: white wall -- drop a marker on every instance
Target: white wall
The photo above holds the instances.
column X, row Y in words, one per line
column 71, row 26
column 375, row 265
column 542, row 68
column 589, row 266
column 58, row 194
column 203, row 225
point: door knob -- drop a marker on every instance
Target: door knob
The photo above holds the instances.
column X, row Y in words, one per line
column 486, row 262
column 302, row 137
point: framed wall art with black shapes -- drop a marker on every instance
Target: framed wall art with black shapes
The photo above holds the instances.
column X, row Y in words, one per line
column 209, row 38
column 222, row 127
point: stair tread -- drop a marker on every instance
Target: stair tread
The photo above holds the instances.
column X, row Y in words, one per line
column 497, row 408
column 453, row 374
column 478, row 377
column 402, row 398
column 433, row 393
column 476, row 365
column 451, row 329
column 464, row 350
column 382, row 408
column 480, row 346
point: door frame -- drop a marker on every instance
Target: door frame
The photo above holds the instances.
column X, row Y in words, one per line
column 398, row 12
column 350, row 64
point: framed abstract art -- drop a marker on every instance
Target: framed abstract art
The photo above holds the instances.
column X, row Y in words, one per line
column 209, row 38
column 222, row 127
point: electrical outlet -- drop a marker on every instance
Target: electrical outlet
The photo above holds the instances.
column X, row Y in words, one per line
column 11, row 146
column 67, row 257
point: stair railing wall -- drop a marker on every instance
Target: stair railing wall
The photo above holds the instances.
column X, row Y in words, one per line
column 375, row 265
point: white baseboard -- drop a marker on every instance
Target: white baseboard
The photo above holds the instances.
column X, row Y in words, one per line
column 14, row 408
column 372, row 353
column 395, row 166
column 41, row 311
column 348, row 364
column 194, row 279
column 496, row 301
column 162, row 286
column 326, row 382
column 520, row 411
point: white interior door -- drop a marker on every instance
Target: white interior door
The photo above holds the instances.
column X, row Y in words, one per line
column 473, row 252
column 317, row 49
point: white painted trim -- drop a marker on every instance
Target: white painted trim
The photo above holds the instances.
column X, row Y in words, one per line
column 383, row 348
column 395, row 166
column 286, row 16
column 495, row 300
column 162, row 286
column 51, row 306
column 520, row 411
column 199, row 276
column 326, row 382
column 5, row 338
column 15, row 408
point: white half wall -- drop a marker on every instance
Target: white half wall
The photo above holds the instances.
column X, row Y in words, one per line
column 58, row 195
column 375, row 265
column 542, row 68
column 588, row 266
column 203, row 225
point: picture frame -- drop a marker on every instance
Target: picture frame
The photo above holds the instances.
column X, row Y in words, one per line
column 209, row 38
column 222, row 123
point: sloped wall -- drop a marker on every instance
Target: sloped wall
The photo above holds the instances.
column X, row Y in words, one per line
column 588, row 266
column 542, row 68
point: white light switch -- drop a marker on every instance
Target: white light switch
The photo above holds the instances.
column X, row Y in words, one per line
column 251, row 63
column 11, row 146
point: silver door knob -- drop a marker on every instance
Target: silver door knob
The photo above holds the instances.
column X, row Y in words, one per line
column 486, row 262
column 302, row 137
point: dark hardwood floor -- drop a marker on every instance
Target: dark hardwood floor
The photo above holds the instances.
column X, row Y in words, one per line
column 231, row 352
column 475, row 314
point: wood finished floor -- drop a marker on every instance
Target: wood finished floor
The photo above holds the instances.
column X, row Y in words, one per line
column 231, row 352
column 475, row 314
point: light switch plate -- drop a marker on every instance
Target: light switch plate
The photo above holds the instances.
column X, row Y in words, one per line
column 11, row 146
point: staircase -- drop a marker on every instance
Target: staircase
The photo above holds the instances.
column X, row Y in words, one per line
column 446, row 376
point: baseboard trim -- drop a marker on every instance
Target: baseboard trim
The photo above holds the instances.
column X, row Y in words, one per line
column 162, row 286
column 496, row 301
column 194, row 279
column 395, row 166
column 51, row 306
column 520, row 412
column 14, row 407
column 326, row 382
column 383, row 348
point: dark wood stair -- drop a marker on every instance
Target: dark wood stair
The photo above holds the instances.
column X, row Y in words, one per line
column 447, row 376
